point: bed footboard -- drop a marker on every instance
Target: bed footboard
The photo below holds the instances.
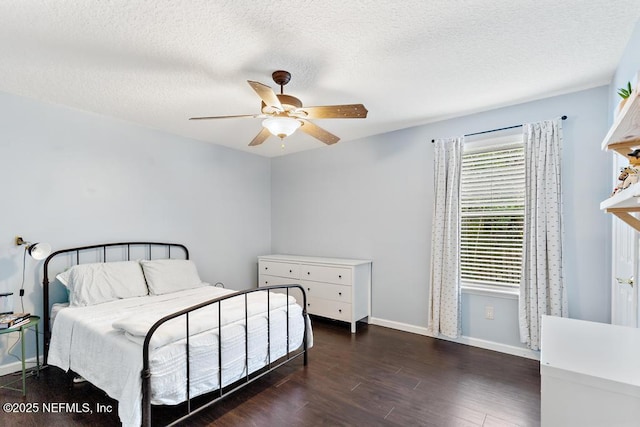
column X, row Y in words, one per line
column 248, row 377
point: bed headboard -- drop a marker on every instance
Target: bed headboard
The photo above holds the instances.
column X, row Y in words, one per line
column 104, row 252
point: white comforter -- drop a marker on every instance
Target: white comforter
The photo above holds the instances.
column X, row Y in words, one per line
column 137, row 325
column 103, row 342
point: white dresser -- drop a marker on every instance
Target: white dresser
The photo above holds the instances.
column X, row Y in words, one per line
column 590, row 374
column 336, row 288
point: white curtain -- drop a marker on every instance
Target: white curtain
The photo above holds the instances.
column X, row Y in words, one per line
column 444, row 294
column 542, row 288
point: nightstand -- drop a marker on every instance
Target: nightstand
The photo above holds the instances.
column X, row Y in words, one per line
column 33, row 322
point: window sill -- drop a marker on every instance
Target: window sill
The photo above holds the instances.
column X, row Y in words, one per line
column 489, row 292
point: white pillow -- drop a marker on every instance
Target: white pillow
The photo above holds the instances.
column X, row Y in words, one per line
column 170, row 275
column 95, row 283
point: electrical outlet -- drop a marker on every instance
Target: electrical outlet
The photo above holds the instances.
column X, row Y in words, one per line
column 488, row 312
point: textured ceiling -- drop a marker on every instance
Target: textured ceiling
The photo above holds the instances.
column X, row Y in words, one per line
column 159, row 62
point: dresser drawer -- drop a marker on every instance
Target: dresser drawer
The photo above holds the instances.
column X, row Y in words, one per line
column 327, row 291
column 332, row 309
column 318, row 273
column 282, row 269
column 268, row 280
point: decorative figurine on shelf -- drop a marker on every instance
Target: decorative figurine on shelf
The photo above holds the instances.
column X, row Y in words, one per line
column 623, row 175
column 628, row 176
column 631, row 178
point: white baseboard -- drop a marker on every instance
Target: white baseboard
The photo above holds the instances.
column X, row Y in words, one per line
column 16, row 366
column 399, row 326
column 475, row 342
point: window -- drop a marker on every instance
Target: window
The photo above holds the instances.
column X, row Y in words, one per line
column 492, row 213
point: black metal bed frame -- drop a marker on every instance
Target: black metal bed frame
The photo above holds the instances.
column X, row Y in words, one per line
column 214, row 395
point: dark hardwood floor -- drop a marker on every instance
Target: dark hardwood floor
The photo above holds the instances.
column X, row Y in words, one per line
column 377, row 377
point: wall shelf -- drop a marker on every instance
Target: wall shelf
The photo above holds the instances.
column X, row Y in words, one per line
column 625, row 131
column 623, row 137
column 628, row 198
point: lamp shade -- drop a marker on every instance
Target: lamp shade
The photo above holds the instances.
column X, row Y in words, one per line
column 281, row 126
column 39, row 250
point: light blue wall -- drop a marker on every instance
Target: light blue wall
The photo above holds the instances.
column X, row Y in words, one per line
column 72, row 178
column 627, row 70
column 373, row 198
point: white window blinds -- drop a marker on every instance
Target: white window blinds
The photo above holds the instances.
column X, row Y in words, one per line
column 492, row 214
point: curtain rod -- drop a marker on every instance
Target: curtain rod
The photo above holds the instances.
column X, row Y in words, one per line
column 496, row 130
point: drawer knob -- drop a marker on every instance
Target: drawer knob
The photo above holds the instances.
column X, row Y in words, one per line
column 290, row 271
column 340, row 293
column 308, row 304
column 266, row 268
column 309, row 289
column 339, row 276
column 340, row 310
column 308, row 273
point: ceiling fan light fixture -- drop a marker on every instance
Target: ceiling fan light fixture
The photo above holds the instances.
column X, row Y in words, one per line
column 281, row 126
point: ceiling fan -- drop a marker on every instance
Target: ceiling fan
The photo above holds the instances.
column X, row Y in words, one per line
column 284, row 114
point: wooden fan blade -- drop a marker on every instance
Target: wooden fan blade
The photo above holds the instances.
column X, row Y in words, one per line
column 318, row 133
column 260, row 138
column 267, row 95
column 349, row 111
column 227, row 117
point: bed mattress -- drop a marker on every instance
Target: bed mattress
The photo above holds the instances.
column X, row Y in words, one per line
column 55, row 308
column 103, row 343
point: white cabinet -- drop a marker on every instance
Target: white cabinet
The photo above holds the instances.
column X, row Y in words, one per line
column 336, row 288
column 590, row 374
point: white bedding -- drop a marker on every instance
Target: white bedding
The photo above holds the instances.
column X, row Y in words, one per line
column 55, row 308
column 92, row 342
